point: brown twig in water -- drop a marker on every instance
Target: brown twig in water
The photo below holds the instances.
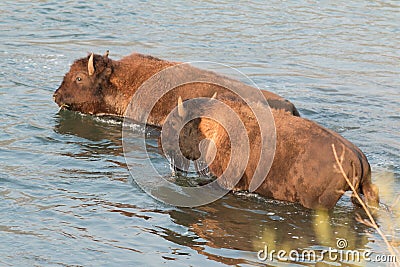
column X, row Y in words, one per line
column 371, row 221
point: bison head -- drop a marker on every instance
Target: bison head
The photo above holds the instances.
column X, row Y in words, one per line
column 83, row 86
column 175, row 131
column 181, row 140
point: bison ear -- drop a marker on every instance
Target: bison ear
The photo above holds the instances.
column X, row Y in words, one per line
column 91, row 65
column 181, row 110
column 108, row 71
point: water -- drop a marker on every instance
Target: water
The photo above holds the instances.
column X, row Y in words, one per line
column 65, row 193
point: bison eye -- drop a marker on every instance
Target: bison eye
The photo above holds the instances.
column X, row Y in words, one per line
column 78, row 79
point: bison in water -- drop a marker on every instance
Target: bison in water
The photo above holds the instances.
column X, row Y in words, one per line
column 99, row 85
column 303, row 170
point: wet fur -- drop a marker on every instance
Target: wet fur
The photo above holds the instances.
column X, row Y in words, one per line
column 110, row 89
column 304, row 169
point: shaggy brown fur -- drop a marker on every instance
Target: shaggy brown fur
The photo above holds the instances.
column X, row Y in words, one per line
column 110, row 88
column 304, row 168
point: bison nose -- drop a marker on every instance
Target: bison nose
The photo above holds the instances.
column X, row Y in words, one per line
column 56, row 97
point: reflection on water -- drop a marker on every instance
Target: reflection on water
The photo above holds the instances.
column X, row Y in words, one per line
column 64, row 185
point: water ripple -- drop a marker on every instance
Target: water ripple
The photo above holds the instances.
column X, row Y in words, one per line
column 64, row 185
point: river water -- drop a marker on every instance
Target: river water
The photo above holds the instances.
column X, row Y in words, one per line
column 65, row 193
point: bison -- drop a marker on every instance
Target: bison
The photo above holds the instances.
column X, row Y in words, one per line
column 99, row 85
column 303, row 169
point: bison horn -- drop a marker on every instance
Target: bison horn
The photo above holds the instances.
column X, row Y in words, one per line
column 181, row 110
column 106, row 54
column 214, row 95
column 90, row 65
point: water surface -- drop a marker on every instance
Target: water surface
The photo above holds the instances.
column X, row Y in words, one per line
column 65, row 194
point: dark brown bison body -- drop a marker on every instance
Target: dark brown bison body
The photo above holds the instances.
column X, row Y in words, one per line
column 303, row 170
column 99, row 85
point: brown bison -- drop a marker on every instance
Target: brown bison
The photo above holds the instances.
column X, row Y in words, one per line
column 99, row 85
column 303, row 169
